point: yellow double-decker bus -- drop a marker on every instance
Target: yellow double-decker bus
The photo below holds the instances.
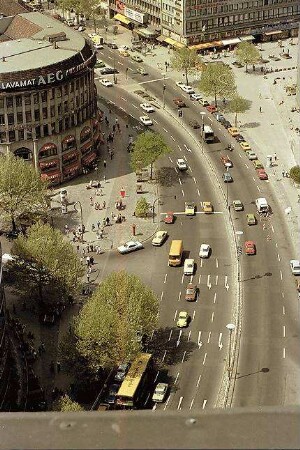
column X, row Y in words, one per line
column 134, row 385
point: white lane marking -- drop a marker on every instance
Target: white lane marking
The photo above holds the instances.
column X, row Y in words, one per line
column 121, row 64
column 201, row 262
column 152, row 81
column 208, row 281
column 258, row 188
column 199, row 280
column 178, row 340
column 167, row 402
column 165, row 130
column 198, row 192
column 155, row 121
column 179, row 148
column 124, row 99
column 183, row 356
column 179, row 296
column 226, row 283
column 190, row 169
column 170, row 335
column 253, row 179
column 199, row 339
column 276, row 245
column 189, row 335
column 239, row 155
column 176, row 378
column 109, row 57
column 172, row 161
column 156, row 376
column 194, row 313
column 175, row 315
column 123, row 109
column 283, row 331
column 179, row 403
column 282, row 294
column 182, row 192
column 161, row 296
column 135, row 106
column 220, row 345
column 278, row 257
column 212, row 316
column 283, row 310
column 165, row 354
column 283, row 353
column 198, row 381
column 272, row 228
column 247, row 166
column 180, row 182
column 280, row 274
column 191, row 278
column 217, row 263
column 215, row 297
column 217, row 279
column 204, row 359
column 208, row 339
column 172, row 138
column 192, row 402
column 182, row 278
column 195, row 181
column 154, row 407
column 204, row 404
column 165, row 280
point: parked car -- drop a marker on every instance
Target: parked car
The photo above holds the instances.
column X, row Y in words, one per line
column 142, row 71
column 147, row 107
column 196, row 96
column 136, row 58
column 251, row 219
column 188, row 89
column 239, row 138
column 183, row 319
column 262, row 174
column 112, row 45
column 226, row 124
column 99, row 64
column 258, row 164
column 252, row 156
column 191, row 292
column 159, row 238
column 122, row 371
column 194, row 124
column 112, row 393
column 233, row 131
column 130, row 246
column 179, row 102
column 211, row 108
column 204, row 102
column 245, row 145
column 106, row 83
column 146, row 121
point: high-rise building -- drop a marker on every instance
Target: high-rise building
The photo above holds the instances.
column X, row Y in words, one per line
column 191, row 22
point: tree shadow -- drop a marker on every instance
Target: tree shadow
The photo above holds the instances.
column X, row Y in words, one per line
column 263, row 370
column 250, row 125
column 166, row 176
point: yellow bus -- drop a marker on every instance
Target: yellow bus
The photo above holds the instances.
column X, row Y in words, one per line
column 133, row 386
column 175, row 254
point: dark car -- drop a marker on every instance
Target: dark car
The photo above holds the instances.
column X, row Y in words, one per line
column 194, row 124
column 122, row 371
column 227, row 124
column 112, row 392
column 108, row 71
column 112, row 45
column 240, row 138
column 179, row 102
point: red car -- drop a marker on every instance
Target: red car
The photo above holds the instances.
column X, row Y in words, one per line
column 226, row 161
column 179, row 102
column 169, row 218
column 250, row 248
column 262, row 175
column 211, row 108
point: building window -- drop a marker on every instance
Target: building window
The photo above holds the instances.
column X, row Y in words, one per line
column 44, row 96
column 19, row 100
column 27, row 99
column 19, row 117
column 10, row 119
column 28, row 116
column 24, row 153
column 12, row 136
column 20, row 135
column 2, row 121
column 37, row 114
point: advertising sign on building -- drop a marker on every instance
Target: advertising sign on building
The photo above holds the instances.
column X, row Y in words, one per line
column 135, row 15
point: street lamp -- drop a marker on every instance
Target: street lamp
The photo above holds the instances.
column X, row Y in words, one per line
column 230, row 327
column 81, row 217
column 156, row 200
column 239, row 252
column 227, row 187
column 164, row 89
column 202, row 129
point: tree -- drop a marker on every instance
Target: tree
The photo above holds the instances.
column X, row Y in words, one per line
column 147, row 148
column 22, row 192
column 217, row 79
column 247, row 53
column 237, row 105
column 142, row 208
column 185, row 59
column 65, row 404
column 92, row 8
column 108, row 323
column 46, row 265
column 295, row 174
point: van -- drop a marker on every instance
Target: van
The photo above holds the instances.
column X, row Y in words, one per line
column 261, row 205
column 175, row 253
column 295, row 266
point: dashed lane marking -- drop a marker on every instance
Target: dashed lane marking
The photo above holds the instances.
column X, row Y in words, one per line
column 204, row 359
column 172, row 138
column 204, row 404
column 198, row 381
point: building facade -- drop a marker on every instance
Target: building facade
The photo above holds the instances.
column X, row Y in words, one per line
column 191, row 22
column 48, row 100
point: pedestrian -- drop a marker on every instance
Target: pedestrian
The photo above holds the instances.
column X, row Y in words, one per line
column 92, row 260
column 104, row 178
column 98, row 224
column 88, row 259
column 111, row 154
column 93, row 227
column 275, row 156
column 58, row 367
column 108, row 148
column 116, row 121
column 90, row 269
column 114, row 128
column 67, row 229
column 91, row 201
column 260, row 109
column 83, row 252
column 88, row 277
column 78, row 248
column 98, row 250
column 107, row 221
column 103, row 222
column 104, row 204
column 283, row 174
column 104, row 164
column 119, row 128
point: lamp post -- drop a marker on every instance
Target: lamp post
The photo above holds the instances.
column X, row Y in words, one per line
column 227, row 187
column 81, row 217
column 202, row 129
column 230, row 327
column 164, row 89
column 239, row 252
column 156, row 200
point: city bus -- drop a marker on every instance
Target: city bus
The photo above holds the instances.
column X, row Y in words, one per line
column 175, row 253
column 134, row 386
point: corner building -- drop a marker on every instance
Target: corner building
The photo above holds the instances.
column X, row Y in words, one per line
column 48, row 100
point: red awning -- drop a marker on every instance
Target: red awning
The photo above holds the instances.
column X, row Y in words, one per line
column 48, row 146
column 68, row 139
column 88, row 159
column 69, row 156
column 85, row 147
column 52, row 163
column 72, row 168
column 51, row 175
column 85, row 131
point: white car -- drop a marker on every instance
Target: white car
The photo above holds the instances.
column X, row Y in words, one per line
column 204, row 250
column 124, row 47
column 129, row 246
column 160, row 392
column 159, row 238
column 295, row 266
column 188, row 89
column 106, row 82
column 189, row 265
column 252, row 156
column 91, row 35
column 146, row 121
column 196, row 96
column 180, row 84
column 147, row 107
column 181, row 164
column 98, row 46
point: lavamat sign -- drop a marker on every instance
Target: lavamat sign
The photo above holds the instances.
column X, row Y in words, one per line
column 43, row 80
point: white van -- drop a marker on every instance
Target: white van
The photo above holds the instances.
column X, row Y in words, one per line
column 189, row 265
column 261, row 205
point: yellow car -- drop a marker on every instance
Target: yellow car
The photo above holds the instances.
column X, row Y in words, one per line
column 189, row 208
column 245, row 146
column 208, row 207
column 258, row 164
column 123, row 53
column 233, row 131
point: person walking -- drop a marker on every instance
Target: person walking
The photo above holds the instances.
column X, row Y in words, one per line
column 88, row 260
column 104, row 179
column 104, row 164
column 275, row 157
column 260, row 110
column 98, row 224
column 58, row 366
column 107, row 221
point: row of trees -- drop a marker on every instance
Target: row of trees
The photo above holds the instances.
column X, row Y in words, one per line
column 90, row 8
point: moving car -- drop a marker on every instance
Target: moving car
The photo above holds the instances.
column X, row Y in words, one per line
column 159, row 238
column 251, row 155
column 160, row 392
column 122, row 371
column 191, row 292
column 189, row 266
column 227, row 178
column 226, row 124
column 183, row 319
column 204, row 250
column 208, row 207
column 124, row 47
column 179, row 102
column 189, row 208
column 211, row 108
column 226, row 161
column 181, row 164
column 124, row 52
column 250, row 248
column 112, row 393
column 112, row 45
column 136, row 58
column 169, row 217
column 194, row 124
column 146, row 121
column 141, row 71
column 262, row 174
column 258, row 164
column 129, row 246
column 99, row 64
column 295, row 266
column 238, row 205
column 251, row 219
column 108, row 71
column 239, row 138
column 245, row 145
column 196, row 96
column 233, row 131
column 106, row 83
column 179, row 84
column 204, row 102
column 147, row 107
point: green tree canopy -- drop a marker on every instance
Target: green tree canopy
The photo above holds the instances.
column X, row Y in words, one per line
column 142, row 208
column 65, row 404
column 46, row 265
column 295, row 174
column 108, row 323
column 237, row 105
column 247, row 53
column 22, row 192
column 185, row 59
column 147, row 148
column 217, row 80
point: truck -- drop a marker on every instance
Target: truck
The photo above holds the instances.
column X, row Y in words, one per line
column 208, row 134
column 261, row 205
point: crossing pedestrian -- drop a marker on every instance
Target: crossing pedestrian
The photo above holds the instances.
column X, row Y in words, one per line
column 107, row 221
column 92, row 260
column 275, row 156
column 114, row 128
column 81, row 260
column 58, row 366
column 104, row 164
column 98, row 224
column 104, row 178
column 260, row 110
column 88, row 259
column 88, row 277
column 104, row 204
column 93, row 227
